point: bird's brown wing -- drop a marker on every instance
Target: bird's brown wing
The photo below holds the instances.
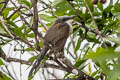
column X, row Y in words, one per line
column 57, row 33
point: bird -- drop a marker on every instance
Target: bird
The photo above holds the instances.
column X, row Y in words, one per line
column 56, row 36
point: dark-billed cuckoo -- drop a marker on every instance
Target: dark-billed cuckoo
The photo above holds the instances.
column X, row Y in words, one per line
column 55, row 36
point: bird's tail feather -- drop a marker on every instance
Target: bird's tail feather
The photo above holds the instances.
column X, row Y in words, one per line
column 38, row 60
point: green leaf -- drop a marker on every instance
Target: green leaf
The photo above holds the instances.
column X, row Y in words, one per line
column 68, row 51
column 90, row 5
column 78, row 45
column 4, row 76
column 98, row 55
column 15, row 16
column 111, row 2
column 100, row 6
column 103, row 57
column 66, row 74
column 31, row 35
column 104, row 15
column 56, row 2
column 117, row 6
column 108, row 9
column 47, row 18
column 76, row 32
column 89, row 68
column 94, row 73
column 41, row 43
column 1, row 29
column 28, row 49
column 11, row 24
column 62, row 8
column 1, row 62
column 26, row 3
column 91, row 37
column 117, row 14
column 6, row 12
column 115, row 40
column 79, row 62
column 1, row 5
column 32, row 58
column 19, row 32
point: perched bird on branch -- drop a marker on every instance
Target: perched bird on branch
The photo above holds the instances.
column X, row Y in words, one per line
column 56, row 36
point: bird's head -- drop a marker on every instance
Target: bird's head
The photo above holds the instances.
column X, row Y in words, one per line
column 64, row 19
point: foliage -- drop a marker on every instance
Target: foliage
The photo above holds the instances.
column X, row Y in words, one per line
column 86, row 45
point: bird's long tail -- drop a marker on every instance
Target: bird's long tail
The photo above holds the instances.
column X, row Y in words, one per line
column 38, row 60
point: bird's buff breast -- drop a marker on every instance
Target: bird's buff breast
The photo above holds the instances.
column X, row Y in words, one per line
column 70, row 26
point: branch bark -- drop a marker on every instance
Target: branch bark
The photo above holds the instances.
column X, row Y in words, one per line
column 35, row 22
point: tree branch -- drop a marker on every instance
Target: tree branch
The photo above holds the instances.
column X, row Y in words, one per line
column 5, row 27
column 6, row 2
column 35, row 22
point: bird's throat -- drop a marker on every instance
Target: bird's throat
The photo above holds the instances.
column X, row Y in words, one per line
column 70, row 26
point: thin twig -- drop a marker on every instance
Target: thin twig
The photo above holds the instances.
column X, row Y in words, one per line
column 50, row 7
column 45, row 26
column 6, row 2
column 14, row 13
column 5, row 27
column 92, row 16
column 52, row 74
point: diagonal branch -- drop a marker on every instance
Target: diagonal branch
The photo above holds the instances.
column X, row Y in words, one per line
column 88, row 29
column 5, row 27
column 6, row 2
column 92, row 16
column 15, row 11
